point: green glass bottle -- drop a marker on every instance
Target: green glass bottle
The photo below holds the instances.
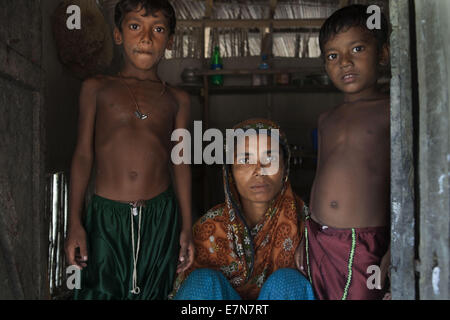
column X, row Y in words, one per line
column 216, row 64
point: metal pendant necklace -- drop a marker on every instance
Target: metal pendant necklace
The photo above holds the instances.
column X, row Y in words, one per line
column 138, row 113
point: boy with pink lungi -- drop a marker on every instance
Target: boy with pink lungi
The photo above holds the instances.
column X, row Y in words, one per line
column 346, row 251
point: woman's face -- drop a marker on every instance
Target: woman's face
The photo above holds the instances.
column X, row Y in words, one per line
column 258, row 169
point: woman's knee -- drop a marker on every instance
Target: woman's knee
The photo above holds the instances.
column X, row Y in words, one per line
column 286, row 284
column 196, row 285
column 206, row 284
column 286, row 275
column 203, row 276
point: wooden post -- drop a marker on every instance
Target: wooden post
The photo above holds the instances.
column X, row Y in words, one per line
column 402, row 164
column 273, row 6
column 205, row 116
column 433, row 61
column 343, row 3
column 208, row 13
column 208, row 8
column 7, row 214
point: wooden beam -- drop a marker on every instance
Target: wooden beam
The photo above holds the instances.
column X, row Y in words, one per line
column 433, row 65
column 402, row 159
column 205, row 119
column 252, row 23
column 208, row 8
column 273, row 7
column 8, row 226
column 343, row 3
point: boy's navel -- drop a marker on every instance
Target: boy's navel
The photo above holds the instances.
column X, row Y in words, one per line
column 133, row 175
column 334, row 204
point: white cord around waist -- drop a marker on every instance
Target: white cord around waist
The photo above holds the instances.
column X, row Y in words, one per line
column 136, row 289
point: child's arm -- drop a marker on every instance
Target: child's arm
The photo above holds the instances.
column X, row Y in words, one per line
column 299, row 256
column 80, row 172
column 311, row 200
column 182, row 177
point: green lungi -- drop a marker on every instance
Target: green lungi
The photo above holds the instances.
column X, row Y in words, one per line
column 111, row 272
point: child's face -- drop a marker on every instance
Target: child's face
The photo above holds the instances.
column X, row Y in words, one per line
column 144, row 39
column 352, row 59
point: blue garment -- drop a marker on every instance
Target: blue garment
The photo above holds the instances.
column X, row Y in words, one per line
column 208, row 284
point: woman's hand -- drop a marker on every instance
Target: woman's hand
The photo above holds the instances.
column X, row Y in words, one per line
column 186, row 250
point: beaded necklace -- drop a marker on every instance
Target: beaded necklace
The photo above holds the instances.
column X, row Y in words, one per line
column 138, row 113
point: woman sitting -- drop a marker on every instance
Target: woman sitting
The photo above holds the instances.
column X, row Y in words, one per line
column 244, row 248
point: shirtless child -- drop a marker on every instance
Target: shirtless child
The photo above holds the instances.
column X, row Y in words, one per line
column 348, row 229
column 133, row 235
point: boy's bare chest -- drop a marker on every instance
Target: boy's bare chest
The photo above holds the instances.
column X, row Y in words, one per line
column 363, row 128
column 118, row 108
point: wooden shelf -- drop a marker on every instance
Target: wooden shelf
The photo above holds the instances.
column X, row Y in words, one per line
column 244, row 72
column 213, row 90
column 208, row 88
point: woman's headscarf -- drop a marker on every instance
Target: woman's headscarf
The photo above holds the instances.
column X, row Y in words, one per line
column 248, row 256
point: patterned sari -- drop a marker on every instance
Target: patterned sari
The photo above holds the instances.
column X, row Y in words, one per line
column 248, row 256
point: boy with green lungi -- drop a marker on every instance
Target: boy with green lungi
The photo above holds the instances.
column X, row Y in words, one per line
column 132, row 241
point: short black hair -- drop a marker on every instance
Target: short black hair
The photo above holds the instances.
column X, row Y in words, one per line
column 352, row 16
column 125, row 6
